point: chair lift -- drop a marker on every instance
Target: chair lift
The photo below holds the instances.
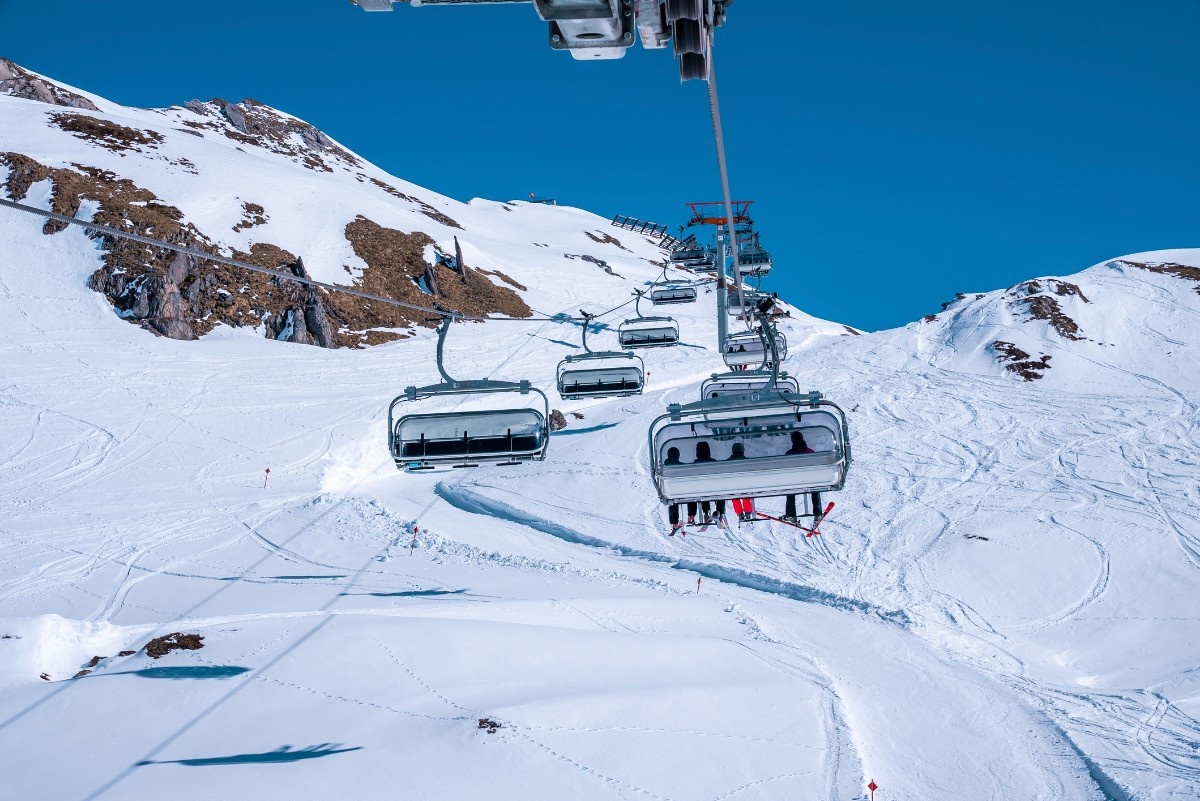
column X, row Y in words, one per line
column 748, row 349
column 749, row 384
column 647, row 332
column 606, row 374
column 667, row 292
column 790, row 444
column 506, row 436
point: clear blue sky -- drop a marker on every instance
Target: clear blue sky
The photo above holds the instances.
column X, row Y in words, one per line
column 899, row 152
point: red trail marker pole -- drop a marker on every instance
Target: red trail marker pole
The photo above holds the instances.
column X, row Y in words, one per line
column 266, row 478
column 872, row 787
column 697, row 585
column 413, row 544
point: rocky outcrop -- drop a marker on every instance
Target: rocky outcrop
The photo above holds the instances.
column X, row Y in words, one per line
column 17, row 82
column 558, row 420
column 254, row 123
column 184, row 297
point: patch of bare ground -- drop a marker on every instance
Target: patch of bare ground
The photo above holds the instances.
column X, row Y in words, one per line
column 426, row 209
column 605, row 239
column 105, row 133
column 558, row 420
column 252, row 215
column 395, row 265
column 1182, row 271
column 176, row 641
column 1020, row 362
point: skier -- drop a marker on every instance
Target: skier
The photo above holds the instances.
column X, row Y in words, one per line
column 704, row 454
column 673, row 509
column 799, row 446
column 742, row 507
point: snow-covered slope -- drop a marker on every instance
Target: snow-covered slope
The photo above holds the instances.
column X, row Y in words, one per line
column 1001, row 607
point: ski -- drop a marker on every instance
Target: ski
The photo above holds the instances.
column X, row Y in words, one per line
column 809, row 532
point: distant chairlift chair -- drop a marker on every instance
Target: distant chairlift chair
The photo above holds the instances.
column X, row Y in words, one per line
column 600, row 374
column 647, row 332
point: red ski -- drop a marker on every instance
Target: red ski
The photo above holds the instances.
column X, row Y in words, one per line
column 809, row 532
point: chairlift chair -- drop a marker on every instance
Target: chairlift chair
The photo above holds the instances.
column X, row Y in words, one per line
column 671, row 294
column 602, row 374
column 747, row 349
column 505, row 435
column 748, row 385
column 647, row 332
column 693, row 456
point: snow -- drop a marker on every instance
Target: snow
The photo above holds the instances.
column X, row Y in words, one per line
column 1001, row 606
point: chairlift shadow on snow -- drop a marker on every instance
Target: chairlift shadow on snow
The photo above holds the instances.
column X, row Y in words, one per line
column 412, row 593
column 178, row 672
column 283, row 753
column 566, row 432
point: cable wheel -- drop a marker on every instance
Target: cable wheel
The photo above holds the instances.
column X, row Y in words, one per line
column 693, row 67
column 683, row 9
column 688, row 37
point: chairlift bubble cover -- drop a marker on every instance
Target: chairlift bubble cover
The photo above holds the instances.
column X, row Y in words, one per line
column 767, row 469
column 747, row 386
column 599, row 375
column 746, row 348
column 471, row 437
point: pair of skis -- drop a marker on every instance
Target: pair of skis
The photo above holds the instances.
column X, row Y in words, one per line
column 808, row 532
column 682, row 530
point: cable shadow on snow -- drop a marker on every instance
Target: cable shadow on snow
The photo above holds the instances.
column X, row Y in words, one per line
column 282, row 754
column 589, row 430
column 474, row 503
column 411, row 593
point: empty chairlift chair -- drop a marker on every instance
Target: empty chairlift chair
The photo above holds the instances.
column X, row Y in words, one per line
column 715, row 450
column 647, row 332
column 507, row 435
column 671, row 294
column 599, row 374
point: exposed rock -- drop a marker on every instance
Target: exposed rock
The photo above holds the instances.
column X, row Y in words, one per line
column 605, row 239
column 176, row 641
column 1020, row 362
column 253, row 123
column 17, row 82
column 557, row 420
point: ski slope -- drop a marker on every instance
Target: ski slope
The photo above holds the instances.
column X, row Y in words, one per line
column 1002, row 605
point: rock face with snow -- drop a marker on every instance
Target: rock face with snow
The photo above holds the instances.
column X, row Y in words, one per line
column 168, row 174
column 1001, row 604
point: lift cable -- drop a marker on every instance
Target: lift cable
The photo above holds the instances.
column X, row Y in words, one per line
column 714, row 108
column 286, row 276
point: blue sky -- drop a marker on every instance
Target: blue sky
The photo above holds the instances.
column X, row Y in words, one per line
column 897, row 152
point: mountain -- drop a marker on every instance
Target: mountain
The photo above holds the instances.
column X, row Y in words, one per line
column 215, row 581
